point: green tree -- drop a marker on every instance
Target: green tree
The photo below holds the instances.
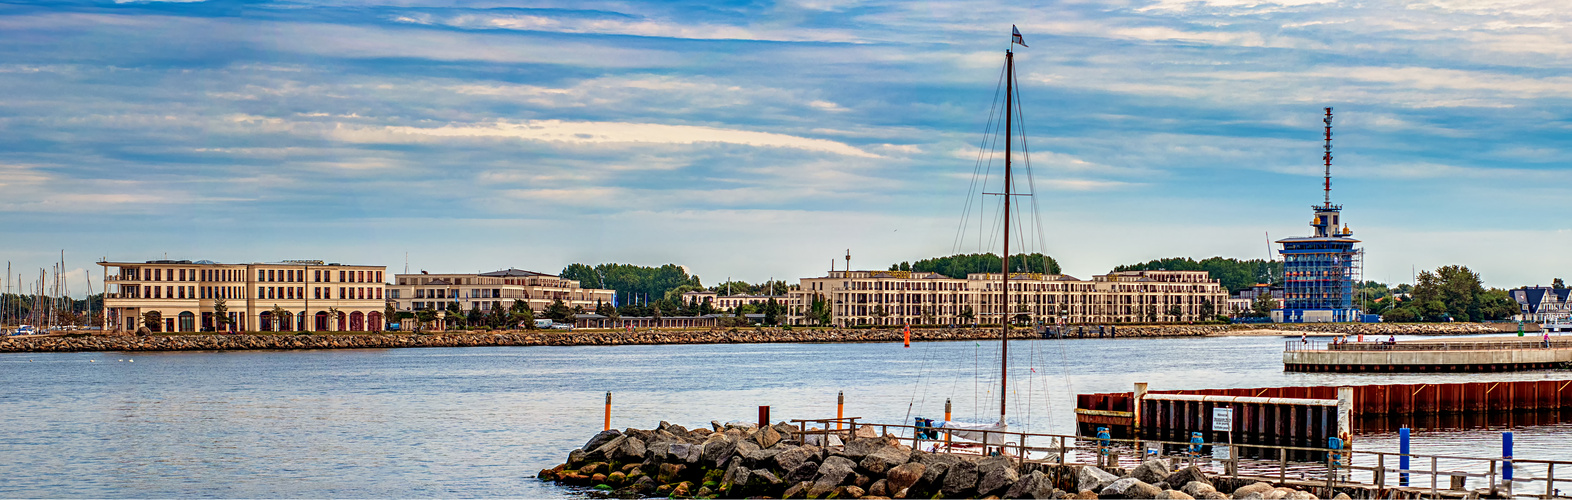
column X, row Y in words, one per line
column 631, row 281
column 558, row 312
column 220, row 314
column 426, row 317
column 153, row 320
column 772, row 312
column 1263, row 305
column 389, row 313
column 1558, row 284
column 967, row 314
column 1208, row 309
column 1233, row 274
column 475, row 317
column 959, row 265
column 818, row 310
column 1174, row 312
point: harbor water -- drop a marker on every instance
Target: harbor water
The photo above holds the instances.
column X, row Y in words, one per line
column 467, row 422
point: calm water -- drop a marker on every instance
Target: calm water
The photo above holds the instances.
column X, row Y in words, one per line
column 481, row 421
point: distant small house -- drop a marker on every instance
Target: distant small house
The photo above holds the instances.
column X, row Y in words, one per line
column 1541, row 304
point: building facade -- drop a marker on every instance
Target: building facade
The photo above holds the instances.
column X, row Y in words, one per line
column 279, row 296
column 1319, row 272
column 1541, row 304
column 732, row 302
column 496, row 289
column 911, row 297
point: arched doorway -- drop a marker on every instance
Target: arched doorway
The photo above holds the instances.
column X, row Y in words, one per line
column 322, row 321
column 266, row 320
column 342, row 324
column 300, row 319
column 357, row 321
column 374, row 321
column 187, row 321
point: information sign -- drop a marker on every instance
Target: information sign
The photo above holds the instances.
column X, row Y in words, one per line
column 1223, row 419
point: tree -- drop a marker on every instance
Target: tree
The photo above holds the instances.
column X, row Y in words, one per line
column 818, row 310
column 1208, row 309
column 558, row 311
column 772, row 311
column 959, row 265
column 153, row 320
column 631, row 281
column 426, row 317
column 1233, row 274
column 497, row 319
column 1021, row 317
column 476, row 317
column 1558, row 284
column 277, row 315
column 1174, row 312
column 220, row 314
column 333, row 319
column 388, row 313
column 1263, row 305
column 967, row 314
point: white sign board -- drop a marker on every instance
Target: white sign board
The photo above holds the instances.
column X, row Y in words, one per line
column 1223, row 419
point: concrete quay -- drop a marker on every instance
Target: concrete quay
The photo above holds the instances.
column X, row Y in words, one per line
column 1474, row 355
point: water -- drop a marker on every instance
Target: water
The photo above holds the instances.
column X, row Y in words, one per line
column 470, row 422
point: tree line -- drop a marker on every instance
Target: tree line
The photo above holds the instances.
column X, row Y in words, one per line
column 1233, row 274
column 959, row 265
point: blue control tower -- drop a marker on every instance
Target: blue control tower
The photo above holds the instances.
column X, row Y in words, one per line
column 1319, row 271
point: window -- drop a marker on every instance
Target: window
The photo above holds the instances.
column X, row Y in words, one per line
column 261, row 292
column 392, row 294
column 379, row 293
column 316, row 292
column 360, row 276
column 379, row 276
column 341, row 294
column 158, row 275
column 341, row 276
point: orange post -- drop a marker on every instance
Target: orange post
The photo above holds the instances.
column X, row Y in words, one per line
column 840, row 409
column 946, row 409
column 608, row 411
column 908, row 335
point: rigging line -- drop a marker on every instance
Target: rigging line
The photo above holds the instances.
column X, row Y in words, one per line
column 989, row 130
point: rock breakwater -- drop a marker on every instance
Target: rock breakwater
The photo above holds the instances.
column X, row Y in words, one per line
column 655, row 337
column 738, row 461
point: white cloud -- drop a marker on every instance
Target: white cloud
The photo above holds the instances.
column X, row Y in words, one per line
column 580, row 132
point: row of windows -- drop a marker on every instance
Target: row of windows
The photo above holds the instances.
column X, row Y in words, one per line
column 267, row 275
column 263, row 292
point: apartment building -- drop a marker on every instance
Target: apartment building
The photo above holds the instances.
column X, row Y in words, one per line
column 487, row 291
column 911, row 297
column 288, row 295
column 730, row 302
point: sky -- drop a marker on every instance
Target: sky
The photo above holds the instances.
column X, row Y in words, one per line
column 758, row 140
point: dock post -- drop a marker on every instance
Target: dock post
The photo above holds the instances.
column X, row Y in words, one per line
column 608, row 412
column 1402, row 461
column 1135, row 425
column 1345, row 411
column 946, row 409
column 1506, row 463
column 764, row 416
column 840, row 409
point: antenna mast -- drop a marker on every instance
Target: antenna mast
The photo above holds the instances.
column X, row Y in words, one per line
column 1327, row 158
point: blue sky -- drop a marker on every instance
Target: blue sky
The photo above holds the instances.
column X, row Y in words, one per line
column 758, row 140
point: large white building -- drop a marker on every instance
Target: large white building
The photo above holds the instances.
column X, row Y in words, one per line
column 314, row 296
column 496, row 289
column 910, row 297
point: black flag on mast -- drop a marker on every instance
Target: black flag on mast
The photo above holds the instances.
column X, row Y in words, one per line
column 1015, row 36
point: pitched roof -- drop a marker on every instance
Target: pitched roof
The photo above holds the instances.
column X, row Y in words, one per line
column 515, row 273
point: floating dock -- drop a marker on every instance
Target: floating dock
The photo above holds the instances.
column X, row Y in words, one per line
column 1477, row 355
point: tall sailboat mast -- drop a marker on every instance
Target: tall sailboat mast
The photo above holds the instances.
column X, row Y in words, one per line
column 1004, row 292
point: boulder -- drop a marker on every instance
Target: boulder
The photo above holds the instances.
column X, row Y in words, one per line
column 789, row 457
column 904, row 476
column 1256, row 487
column 1198, row 489
column 1300, row 495
column 1033, row 485
column 1129, row 487
column 960, row 479
column 601, row 438
column 670, row 473
column 1090, row 478
column 937, row 465
column 672, row 428
column 643, row 485
column 765, row 437
column 1086, row 495
column 1183, row 477
column 717, row 449
column 866, row 431
column 620, row 449
column 879, row 488
column 761, row 480
column 745, row 448
column 996, row 479
column 761, row 458
column 1151, row 471
column 1174, row 495
column 1341, row 496
column 683, row 453
column 799, row 490
column 884, row 458
column 834, row 472
column 861, row 481
column 847, row 492
column 803, row 473
column 577, row 458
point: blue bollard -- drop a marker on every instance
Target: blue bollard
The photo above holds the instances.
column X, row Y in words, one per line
column 1195, row 443
column 1102, row 440
column 1506, row 453
column 1402, row 447
column 1336, row 445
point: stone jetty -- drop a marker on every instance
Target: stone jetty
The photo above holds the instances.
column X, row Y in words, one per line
column 189, row 342
column 740, row 460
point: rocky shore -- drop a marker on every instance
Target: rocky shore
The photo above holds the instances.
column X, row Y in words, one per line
column 656, row 337
column 738, row 461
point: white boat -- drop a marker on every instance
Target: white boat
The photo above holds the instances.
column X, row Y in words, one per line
column 24, row 330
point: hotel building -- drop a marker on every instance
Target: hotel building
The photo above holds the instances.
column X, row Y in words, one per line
column 910, row 297
column 332, row 296
column 731, row 302
column 487, row 291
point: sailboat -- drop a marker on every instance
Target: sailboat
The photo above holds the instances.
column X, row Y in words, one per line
column 987, row 438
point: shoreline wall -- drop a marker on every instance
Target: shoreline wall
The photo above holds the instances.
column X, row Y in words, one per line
column 662, row 337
